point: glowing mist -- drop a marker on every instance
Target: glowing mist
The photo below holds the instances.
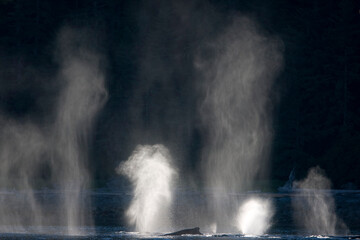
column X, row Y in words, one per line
column 314, row 205
column 238, row 77
column 82, row 97
column 57, row 150
column 149, row 170
column 254, row 216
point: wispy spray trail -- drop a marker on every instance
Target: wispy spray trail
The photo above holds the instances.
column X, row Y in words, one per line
column 314, row 205
column 238, row 73
column 57, row 149
column 83, row 95
column 21, row 154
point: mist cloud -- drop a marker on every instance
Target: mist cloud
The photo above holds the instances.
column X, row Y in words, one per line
column 54, row 155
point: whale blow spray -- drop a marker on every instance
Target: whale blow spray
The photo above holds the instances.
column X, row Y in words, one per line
column 152, row 176
column 314, row 205
column 57, row 149
column 238, row 72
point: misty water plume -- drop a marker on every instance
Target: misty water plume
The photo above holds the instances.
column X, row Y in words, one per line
column 238, row 71
column 21, row 153
column 152, row 175
column 54, row 155
column 83, row 96
column 314, row 205
column 254, row 216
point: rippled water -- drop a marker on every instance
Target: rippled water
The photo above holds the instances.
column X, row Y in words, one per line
column 132, row 235
column 109, row 207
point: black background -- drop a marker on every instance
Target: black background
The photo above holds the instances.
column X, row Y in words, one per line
column 315, row 98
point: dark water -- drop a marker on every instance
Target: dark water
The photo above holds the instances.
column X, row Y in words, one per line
column 108, row 210
column 129, row 235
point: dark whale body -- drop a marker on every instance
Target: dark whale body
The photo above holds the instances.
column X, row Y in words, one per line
column 192, row 231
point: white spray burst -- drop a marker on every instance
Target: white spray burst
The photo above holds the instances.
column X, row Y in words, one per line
column 149, row 170
column 254, row 217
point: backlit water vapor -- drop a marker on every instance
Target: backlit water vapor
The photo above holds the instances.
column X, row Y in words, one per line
column 83, row 96
column 54, row 155
column 152, row 176
column 254, row 217
column 314, row 206
column 238, row 71
column 22, row 147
